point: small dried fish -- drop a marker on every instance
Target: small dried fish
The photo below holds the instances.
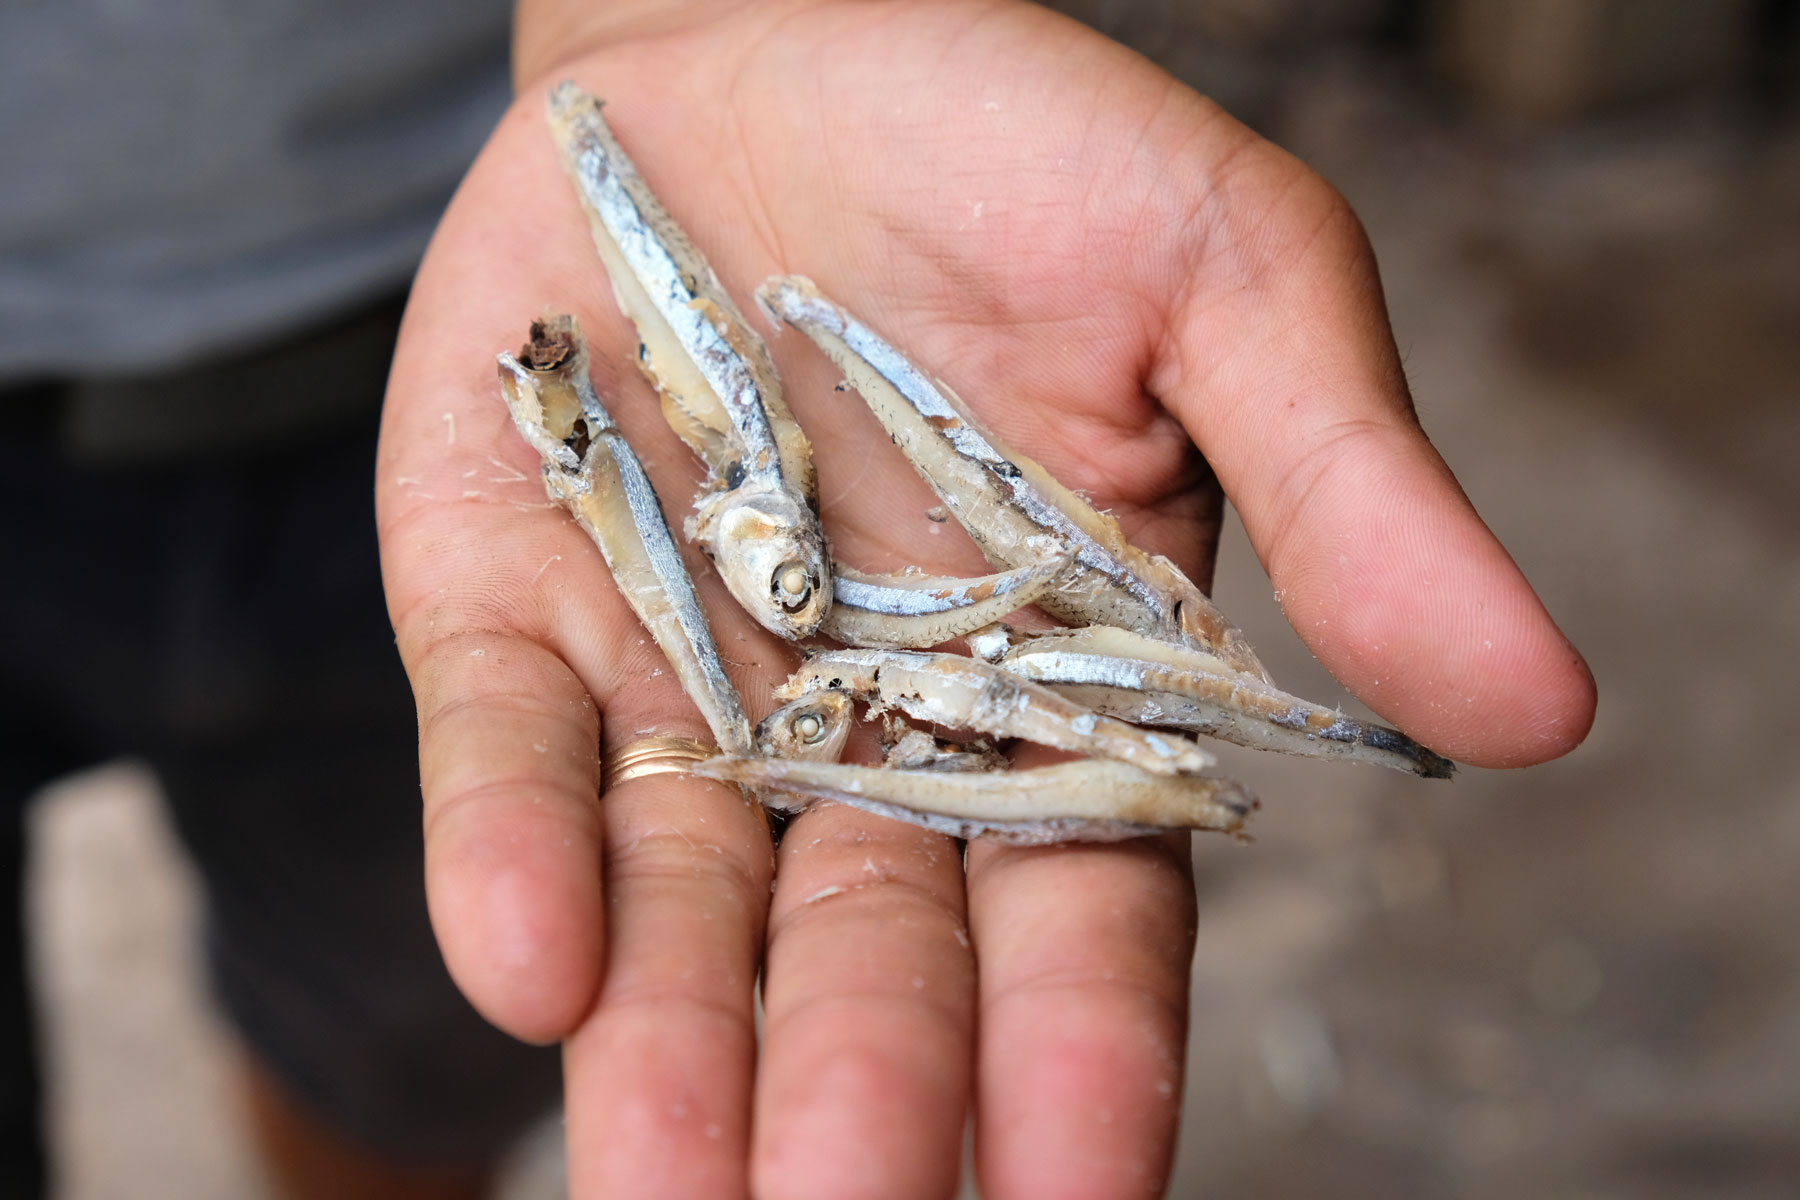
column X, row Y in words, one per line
column 923, row 610
column 1008, row 503
column 1148, row 682
column 1089, row 800
column 589, row 469
column 811, row 729
column 758, row 519
column 954, row 692
column 1154, row 651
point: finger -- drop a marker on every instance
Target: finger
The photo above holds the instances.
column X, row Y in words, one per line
column 868, row 1004
column 1281, row 365
column 1084, row 954
column 472, row 545
column 658, row 1078
column 508, row 767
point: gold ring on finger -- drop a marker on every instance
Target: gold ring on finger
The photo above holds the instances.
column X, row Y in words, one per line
column 646, row 756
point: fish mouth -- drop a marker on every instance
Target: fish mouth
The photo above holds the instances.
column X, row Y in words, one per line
column 813, row 727
column 795, row 613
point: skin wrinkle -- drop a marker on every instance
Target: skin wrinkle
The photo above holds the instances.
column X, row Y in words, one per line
column 1212, row 211
column 1205, row 170
column 400, row 515
column 408, row 612
column 768, row 236
column 1092, row 212
column 860, row 891
column 834, row 161
column 438, row 649
column 1206, row 212
column 1142, row 220
column 668, row 855
column 848, row 489
column 530, row 789
column 522, row 808
column 445, row 482
column 665, row 1004
column 659, row 856
column 535, row 618
column 972, row 285
column 1320, row 461
column 434, row 659
column 868, row 1063
column 577, row 714
column 1161, row 470
column 1261, row 224
column 1081, row 981
column 950, row 1018
column 953, row 39
column 523, row 703
column 1337, row 233
column 1234, row 240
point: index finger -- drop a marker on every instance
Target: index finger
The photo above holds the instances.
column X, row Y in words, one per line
column 1280, row 364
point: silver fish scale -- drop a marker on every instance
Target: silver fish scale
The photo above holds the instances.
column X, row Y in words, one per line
column 899, row 602
column 665, row 558
column 724, row 370
column 924, row 396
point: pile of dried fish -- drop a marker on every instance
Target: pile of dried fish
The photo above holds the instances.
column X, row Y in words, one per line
column 1147, row 659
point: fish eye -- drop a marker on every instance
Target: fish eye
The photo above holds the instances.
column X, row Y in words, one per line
column 793, row 586
column 809, row 728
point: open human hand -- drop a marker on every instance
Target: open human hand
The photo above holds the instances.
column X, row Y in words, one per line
column 1112, row 273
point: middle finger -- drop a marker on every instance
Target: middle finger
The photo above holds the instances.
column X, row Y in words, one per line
column 870, row 1010
column 658, row 1077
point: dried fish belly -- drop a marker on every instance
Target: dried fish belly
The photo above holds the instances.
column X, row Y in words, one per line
column 1139, row 679
column 758, row 518
column 954, row 692
column 1094, row 800
column 1011, row 506
column 922, row 610
column 589, row 469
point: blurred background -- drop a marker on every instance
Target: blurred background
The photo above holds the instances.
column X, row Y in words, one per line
column 1580, row 980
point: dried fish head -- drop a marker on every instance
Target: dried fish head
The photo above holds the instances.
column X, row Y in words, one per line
column 811, row 729
column 772, row 557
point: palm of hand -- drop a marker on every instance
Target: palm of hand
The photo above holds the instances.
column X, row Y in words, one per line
column 1109, row 271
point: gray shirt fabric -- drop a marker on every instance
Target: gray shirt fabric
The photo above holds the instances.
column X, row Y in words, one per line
column 181, row 178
